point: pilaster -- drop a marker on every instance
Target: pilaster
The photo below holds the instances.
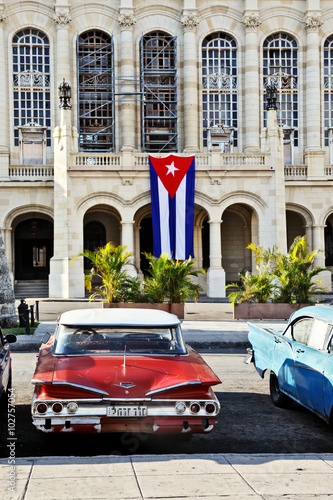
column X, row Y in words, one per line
column 4, row 150
column 127, row 88
column 190, row 22
column 314, row 155
column 251, row 23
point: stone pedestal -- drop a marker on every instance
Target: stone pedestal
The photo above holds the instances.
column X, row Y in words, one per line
column 7, row 299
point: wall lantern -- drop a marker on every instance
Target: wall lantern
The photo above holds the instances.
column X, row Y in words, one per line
column 65, row 94
column 271, row 94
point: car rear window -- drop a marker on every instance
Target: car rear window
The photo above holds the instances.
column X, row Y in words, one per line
column 89, row 340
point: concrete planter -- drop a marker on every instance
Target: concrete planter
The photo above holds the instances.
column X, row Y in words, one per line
column 265, row 311
column 177, row 309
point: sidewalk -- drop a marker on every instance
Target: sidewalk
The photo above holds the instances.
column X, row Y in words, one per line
column 206, row 325
column 209, row 477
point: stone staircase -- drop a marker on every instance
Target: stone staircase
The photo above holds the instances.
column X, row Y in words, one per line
column 31, row 289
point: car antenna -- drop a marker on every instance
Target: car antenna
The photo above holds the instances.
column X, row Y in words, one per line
column 125, row 356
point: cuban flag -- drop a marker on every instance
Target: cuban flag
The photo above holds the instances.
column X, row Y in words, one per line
column 172, row 181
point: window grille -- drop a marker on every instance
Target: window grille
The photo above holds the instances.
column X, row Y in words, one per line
column 95, row 91
column 31, row 82
column 159, row 108
column 280, row 68
column 219, row 84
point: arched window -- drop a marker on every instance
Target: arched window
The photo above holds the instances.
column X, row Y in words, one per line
column 96, row 91
column 280, row 68
column 159, row 111
column 219, row 91
column 31, row 86
column 328, row 94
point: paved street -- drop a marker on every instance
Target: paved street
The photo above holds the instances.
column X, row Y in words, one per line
column 182, row 473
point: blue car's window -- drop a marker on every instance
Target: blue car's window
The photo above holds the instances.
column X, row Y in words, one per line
column 318, row 335
column 330, row 344
column 302, row 329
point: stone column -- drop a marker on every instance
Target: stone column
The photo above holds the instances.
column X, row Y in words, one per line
column 190, row 22
column 215, row 273
column 4, row 150
column 64, row 62
column 318, row 233
column 66, row 279
column 251, row 22
column 314, row 155
column 274, row 232
column 7, row 299
column 127, row 87
column 127, row 240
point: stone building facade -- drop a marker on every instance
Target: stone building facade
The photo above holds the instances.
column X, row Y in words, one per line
column 152, row 77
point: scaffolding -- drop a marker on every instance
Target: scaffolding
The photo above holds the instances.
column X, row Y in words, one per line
column 95, row 91
column 159, row 106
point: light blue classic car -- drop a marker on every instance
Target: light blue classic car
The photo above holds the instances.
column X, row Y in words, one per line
column 299, row 359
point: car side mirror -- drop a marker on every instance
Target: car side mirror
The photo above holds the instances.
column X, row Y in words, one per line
column 45, row 338
column 10, row 338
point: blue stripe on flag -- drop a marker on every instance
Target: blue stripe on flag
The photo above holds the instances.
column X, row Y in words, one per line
column 155, row 212
column 172, row 224
column 189, row 223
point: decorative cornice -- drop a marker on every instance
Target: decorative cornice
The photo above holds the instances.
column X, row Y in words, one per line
column 313, row 22
column 126, row 21
column 190, row 21
column 251, row 21
column 62, row 19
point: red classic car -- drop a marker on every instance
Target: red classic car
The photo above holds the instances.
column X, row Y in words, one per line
column 122, row 370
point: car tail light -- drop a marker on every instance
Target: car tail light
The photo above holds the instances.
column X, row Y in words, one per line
column 195, row 407
column 41, row 408
column 57, row 407
column 210, row 408
column 72, row 407
column 180, row 407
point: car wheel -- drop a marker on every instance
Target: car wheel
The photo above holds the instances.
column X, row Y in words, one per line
column 279, row 399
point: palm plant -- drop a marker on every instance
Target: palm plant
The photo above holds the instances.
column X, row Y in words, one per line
column 258, row 287
column 295, row 274
column 170, row 280
column 108, row 263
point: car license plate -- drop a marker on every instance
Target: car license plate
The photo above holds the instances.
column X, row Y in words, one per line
column 126, row 411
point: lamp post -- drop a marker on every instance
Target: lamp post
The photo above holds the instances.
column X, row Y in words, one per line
column 271, row 94
column 65, row 94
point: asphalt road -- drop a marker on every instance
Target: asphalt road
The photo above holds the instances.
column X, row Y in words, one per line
column 248, row 422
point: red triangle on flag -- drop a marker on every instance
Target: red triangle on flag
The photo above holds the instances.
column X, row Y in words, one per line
column 171, row 170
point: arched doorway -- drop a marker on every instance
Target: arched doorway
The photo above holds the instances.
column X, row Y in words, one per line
column 238, row 230
column 33, row 249
column 329, row 241
column 146, row 242
column 295, row 226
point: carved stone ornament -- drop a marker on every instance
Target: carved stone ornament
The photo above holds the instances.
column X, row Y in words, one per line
column 251, row 21
column 313, row 23
column 190, row 22
column 126, row 21
column 62, row 18
column 3, row 16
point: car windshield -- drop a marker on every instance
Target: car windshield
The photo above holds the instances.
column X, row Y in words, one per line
column 89, row 340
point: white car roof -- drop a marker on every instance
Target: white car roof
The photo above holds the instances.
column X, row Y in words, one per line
column 118, row 317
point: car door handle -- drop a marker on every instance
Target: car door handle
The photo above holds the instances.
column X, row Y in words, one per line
column 299, row 350
column 277, row 341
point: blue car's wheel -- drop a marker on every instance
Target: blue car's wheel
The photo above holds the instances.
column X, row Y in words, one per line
column 279, row 399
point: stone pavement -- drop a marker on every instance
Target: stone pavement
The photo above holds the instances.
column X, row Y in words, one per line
column 208, row 477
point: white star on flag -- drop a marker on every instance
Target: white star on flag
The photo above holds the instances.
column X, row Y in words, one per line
column 171, row 169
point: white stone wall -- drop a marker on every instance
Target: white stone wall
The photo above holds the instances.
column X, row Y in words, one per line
column 245, row 201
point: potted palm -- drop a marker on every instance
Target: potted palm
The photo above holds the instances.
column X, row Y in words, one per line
column 109, row 265
column 170, row 281
column 282, row 284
